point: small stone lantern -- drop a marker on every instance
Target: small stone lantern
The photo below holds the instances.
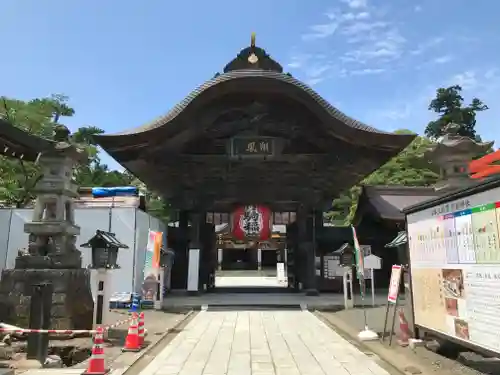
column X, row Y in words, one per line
column 104, row 247
column 346, row 253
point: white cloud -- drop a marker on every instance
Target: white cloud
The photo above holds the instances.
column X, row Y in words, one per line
column 442, row 59
column 362, row 27
column 367, row 71
column 467, row 80
column 317, row 71
column 315, row 67
column 425, row 46
column 298, row 60
column 314, row 81
column 355, row 16
column 321, row 31
column 385, row 44
column 400, row 113
column 356, row 4
column 484, row 84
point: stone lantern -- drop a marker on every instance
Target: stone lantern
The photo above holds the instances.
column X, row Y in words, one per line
column 346, row 253
column 451, row 155
column 104, row 246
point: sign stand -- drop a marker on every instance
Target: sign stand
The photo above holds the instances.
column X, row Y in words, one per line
column 373, row 262
column 392, row 300
column 366, row 334
column 361, row 251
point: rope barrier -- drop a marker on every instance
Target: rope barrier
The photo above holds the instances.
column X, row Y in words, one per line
column 64, row 331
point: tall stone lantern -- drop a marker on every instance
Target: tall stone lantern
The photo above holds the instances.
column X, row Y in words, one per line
column 451, row 154
column 52, row 256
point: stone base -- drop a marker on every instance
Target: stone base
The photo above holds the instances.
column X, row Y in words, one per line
column 71, row 260
column 72, row 303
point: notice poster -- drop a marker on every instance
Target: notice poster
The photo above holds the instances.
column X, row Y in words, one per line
column 455, row 267
column 151, row 265
column 392, row 296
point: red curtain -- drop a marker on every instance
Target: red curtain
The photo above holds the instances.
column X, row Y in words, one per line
column 252, row 222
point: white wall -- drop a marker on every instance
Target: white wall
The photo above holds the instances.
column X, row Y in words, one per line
column 129, row 224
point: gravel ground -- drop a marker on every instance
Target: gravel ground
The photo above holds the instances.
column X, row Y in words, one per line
column 467, row 364
column 156, row 323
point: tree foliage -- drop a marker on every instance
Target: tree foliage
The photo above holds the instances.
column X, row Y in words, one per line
column 409, row 168
column 449, row 105
column 405, row 169
column 39, row 117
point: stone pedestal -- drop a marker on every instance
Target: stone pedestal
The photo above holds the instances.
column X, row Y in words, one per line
column 72, row 299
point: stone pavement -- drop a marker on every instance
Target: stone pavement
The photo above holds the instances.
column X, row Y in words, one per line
column 242, row 281
column 325, row 301
column 260, row 343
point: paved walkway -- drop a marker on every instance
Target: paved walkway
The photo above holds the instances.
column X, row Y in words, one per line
column 260, row 343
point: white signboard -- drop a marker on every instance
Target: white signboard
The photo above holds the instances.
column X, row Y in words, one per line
column 373, row 262
column 193, row 270
column 280, row 273
column 455, row 267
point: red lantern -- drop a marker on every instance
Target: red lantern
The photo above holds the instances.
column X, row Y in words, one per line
column 252, row 222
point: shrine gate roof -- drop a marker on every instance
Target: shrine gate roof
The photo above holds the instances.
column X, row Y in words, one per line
column 320, row 151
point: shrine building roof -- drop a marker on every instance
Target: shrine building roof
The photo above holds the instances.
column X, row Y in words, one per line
column 16, row 143
column 388, row 202
column 317, row 151
column 254, row 71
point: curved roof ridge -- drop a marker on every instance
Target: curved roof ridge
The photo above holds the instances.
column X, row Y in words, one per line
column 239, row 74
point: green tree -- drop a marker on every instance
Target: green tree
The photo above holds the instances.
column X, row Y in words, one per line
column 408, row 168
column 449, row 105
column 155, row 204
column 18, row 177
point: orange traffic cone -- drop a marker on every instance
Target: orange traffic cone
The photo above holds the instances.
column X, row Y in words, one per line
column 132, row 341
column 97, row 363
column 141, row 329
column 404, row 329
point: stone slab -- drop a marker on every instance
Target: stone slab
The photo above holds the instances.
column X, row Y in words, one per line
column 326, row 301
column 270, row 342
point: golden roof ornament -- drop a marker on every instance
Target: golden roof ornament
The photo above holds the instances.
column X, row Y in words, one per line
column 252, row 59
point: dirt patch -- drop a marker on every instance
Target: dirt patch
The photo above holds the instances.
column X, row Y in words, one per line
column 75, row 352
column 69, row 351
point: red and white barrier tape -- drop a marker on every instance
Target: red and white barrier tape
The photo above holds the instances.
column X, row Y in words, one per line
column 64, row 331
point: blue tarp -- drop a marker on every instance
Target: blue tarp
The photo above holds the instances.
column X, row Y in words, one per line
column 103, row 192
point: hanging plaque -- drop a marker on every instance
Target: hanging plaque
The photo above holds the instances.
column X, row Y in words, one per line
column 252, row 147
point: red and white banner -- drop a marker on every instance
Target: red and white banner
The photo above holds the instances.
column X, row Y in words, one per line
column 396, row 274
column 252, row 222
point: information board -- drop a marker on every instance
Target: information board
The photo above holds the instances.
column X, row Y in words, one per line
column 455, row 268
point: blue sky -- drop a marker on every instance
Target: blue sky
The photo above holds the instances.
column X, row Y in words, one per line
column 123, row 63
